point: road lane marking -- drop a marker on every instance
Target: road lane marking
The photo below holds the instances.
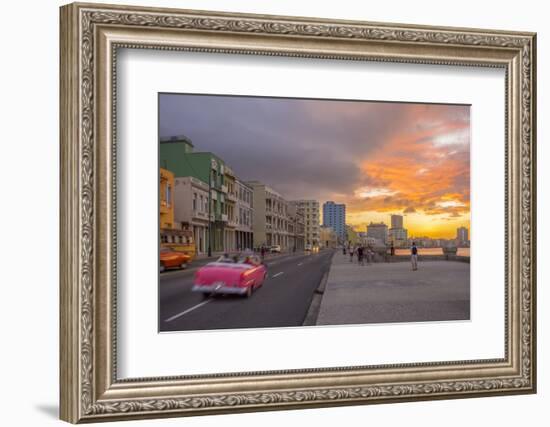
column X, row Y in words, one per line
column 278, row 274
column 299, row 264
column 189, row 310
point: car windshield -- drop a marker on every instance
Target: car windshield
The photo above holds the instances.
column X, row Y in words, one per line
column 238, row 259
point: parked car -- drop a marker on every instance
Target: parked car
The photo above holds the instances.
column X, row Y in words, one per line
column 239, row 275
column 170, row 258
column 275, row 249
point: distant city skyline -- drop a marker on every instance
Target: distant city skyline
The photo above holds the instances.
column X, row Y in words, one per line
column 377, row 158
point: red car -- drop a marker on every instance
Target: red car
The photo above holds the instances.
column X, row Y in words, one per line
column 238, row 275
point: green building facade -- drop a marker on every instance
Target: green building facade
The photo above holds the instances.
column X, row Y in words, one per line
column 176, row 154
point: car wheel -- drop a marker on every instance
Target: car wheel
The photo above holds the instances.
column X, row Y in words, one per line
column 183, row 265
column 264, row 279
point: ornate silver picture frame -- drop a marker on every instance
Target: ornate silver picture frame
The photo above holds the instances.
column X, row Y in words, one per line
column 91, row 35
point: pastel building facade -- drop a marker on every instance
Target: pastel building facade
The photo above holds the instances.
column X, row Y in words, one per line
column 270, row 216
column 296, row 228
column 311, row 213
column 191, row 205
column 166, row 195
column 171, row 232
column 245, row 215
column 229, row 210
column 214, row 181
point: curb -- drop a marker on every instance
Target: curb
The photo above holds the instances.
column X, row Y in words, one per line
column 315, row 305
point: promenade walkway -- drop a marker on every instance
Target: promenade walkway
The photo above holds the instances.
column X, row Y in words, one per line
column 392, row 292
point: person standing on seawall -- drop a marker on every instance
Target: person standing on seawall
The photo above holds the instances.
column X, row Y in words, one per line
column 360, row 255
column 414, row 256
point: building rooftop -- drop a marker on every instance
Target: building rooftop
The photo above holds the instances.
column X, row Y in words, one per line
column 175, row 138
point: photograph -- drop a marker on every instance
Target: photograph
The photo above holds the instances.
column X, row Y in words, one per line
column 300, row 212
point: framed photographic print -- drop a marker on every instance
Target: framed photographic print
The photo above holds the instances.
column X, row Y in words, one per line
column 265, row 212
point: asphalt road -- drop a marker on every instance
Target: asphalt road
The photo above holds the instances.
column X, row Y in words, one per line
column 283, row 300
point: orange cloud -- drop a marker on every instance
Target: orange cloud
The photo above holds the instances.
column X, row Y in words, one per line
column 423, row 171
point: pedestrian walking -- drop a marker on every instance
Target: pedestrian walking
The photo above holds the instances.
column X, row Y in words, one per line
column 369, row 254
column 360, row 255
column 392, row 250
column 351, row 254
column 414, row 257
column 262, row 252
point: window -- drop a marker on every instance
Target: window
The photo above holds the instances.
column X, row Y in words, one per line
column 168, row 195
column 194, row 201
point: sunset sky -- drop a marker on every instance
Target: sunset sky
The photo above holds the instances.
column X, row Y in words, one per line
column 378, row 158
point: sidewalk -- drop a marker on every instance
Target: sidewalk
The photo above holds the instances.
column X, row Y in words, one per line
column 392, row 292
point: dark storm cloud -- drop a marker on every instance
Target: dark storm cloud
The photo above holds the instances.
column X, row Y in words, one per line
column 303, row 148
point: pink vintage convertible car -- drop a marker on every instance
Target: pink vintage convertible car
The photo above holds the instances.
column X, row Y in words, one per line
column 231, row 275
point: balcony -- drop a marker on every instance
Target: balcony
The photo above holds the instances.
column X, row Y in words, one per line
column 224, row 217
column 224, row 189
column 231, row 197
column 232, row 222
column 200, row 215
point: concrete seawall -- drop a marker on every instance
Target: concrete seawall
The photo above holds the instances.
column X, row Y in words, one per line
column 402, row 258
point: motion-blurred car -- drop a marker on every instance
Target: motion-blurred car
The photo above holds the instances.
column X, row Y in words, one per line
column 275, row 249
column 239, row 275
column 170, row 258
